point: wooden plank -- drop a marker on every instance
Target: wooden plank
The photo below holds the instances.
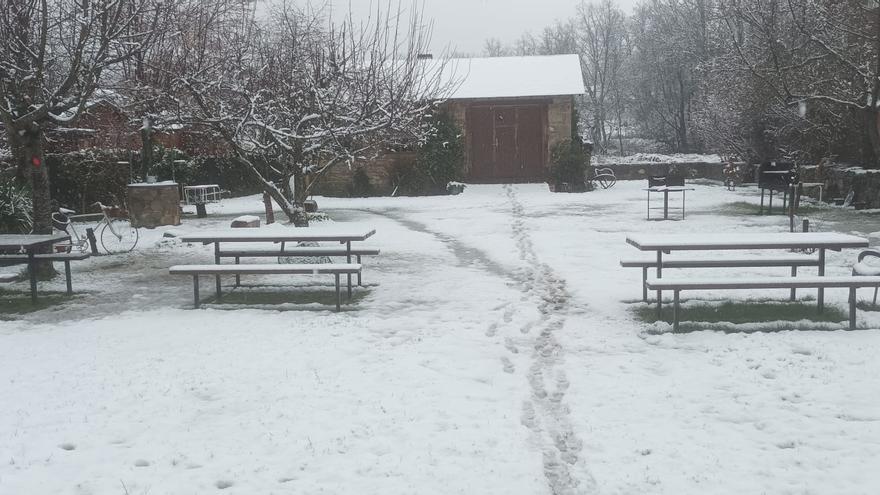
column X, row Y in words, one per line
column 722, row 263
column 303, row 251
column 47, row 257
column 266, row 269
column 770, row 240
column 274, row 235
column 16, row 241
column 809, row 282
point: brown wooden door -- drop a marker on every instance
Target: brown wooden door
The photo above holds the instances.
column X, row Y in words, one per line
column 507, row 142
column 482, row 142
column 530, row 142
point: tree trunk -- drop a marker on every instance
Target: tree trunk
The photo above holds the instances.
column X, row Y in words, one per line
column 872, row 128
column 146, row 148
column 295, row 213
column 28, row 150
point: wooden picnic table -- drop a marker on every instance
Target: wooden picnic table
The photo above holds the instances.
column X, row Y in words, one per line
column 665, row 190
column 30, row 244
column 273, row 235
column 820, row 241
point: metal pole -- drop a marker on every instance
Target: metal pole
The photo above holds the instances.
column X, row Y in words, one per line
column 32, row 269
column 852, row 308
column 217, row 262
column 659, row 275
column 196, row 290
column 338, row 297
column 821, row 296
column 67, row 277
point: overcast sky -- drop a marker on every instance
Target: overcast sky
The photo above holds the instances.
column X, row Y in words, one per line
column 465, row 24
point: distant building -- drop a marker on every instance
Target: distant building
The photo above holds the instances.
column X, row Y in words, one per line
column 511, row 110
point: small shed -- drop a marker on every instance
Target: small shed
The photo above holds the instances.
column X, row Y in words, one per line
column 513, row 110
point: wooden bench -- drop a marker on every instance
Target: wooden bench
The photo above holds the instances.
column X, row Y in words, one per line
column 65, row 257
column 727, row 262
column 303, row 251
column 335, row 269
column 810, row 282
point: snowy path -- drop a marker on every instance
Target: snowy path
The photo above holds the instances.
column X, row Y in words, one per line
column 533, row 346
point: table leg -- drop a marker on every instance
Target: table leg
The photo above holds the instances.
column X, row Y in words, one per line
column 649, row 205
column 852, row 308
column 196, row 291
column 675, row 311
column 659, row 275
column 666, row 205
column 682, row 204
column 32, row 270
column 217, row 262
column 348, row 256
column 821, row 295
column 793, row 291
column 67, row 277
column 338, row 297
column 237, row 275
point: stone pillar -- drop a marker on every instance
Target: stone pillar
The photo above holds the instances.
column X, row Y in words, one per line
column 152, row 205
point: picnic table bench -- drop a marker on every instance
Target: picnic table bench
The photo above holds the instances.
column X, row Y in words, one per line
column 335, row 269
column 812, row 282
column 66, row 258
column 820, row 241
column 279, row 236
column 793, row 262
column 299, row 251
column 23, row 248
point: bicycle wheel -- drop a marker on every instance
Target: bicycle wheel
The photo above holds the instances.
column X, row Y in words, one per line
column 118, row 236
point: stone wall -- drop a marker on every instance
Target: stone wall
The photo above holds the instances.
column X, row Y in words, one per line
column 559, row 120
column 840, row 180
column 641, row 171
column 152, row 205
column 337, row 181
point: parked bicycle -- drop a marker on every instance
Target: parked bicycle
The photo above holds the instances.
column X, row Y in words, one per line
column 117, row 235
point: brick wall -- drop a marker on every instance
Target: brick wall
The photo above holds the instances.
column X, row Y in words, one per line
column 337, row 181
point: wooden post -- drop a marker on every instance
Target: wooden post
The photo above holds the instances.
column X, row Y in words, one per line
column 201, row 211
column 270, row 213
column 93, row 243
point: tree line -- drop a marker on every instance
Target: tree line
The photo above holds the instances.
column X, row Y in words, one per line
column 750, row 79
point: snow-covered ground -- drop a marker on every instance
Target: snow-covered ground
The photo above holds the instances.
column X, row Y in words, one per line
column 643, row 158
column 493, row 350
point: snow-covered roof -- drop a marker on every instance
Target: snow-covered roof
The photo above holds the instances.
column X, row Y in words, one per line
column 511, row 77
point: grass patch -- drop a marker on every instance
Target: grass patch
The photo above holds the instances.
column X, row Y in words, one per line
column 867, row 306
column 250, row 295
column 17, row 303
column 742, row 312
column 739, row 208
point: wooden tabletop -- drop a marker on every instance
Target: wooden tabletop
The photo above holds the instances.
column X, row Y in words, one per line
column 769, row 240
column 293, row 234
column 668, row 188
column 30, row 241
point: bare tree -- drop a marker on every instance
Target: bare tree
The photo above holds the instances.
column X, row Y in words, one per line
column 604, row 48
column 301, row 94
column 819, row 55
column 53, row 56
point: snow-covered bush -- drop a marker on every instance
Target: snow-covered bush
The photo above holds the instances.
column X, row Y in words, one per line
column 441, row 157
column 360, row 184
column 15, row 207
column 80, row 178
column 568, row 165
